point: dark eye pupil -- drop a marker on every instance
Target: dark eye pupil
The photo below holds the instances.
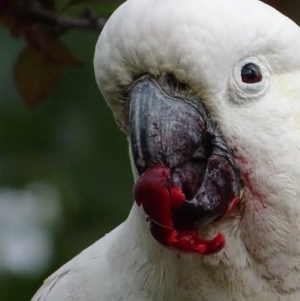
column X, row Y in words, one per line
column 251, row 74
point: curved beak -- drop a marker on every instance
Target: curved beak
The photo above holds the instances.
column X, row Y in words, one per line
column 164, row 129
column 169, row 128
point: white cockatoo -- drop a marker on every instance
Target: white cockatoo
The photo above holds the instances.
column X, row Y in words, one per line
column 208, row 94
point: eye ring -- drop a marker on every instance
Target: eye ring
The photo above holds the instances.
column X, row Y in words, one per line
column 250, row 80
column 251, row 74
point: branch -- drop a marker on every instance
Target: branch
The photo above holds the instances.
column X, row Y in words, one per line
column 34, row 12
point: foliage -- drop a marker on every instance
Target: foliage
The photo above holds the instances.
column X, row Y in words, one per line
column 42, row 23
column 70, row 141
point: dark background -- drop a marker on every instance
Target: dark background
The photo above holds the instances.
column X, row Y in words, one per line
column 70, row 150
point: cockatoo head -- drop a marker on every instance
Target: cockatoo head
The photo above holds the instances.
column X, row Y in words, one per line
column 208, row 93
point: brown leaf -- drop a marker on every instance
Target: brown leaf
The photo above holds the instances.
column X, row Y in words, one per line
column 12, row 25
column 36, row 35
column 53, row 48
column 35, row 76
column 59, row 53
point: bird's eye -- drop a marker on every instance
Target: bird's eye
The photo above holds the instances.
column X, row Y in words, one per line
column 251, row 74
column 250, row 80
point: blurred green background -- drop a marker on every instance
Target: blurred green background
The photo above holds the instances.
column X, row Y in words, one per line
column 65, row 177
column 71, row 143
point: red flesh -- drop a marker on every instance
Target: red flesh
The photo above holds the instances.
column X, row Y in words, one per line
column 159, row 202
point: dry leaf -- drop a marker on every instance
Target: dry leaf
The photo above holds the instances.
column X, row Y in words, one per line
column 35, row 76
column 61, row 54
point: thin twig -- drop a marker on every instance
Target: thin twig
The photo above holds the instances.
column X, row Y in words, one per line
column 36, row 13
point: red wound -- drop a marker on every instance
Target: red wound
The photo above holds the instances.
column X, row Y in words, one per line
column 152, row 191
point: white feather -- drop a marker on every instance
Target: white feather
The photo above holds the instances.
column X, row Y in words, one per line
column 205, row 43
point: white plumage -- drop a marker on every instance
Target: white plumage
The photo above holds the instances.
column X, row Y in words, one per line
column 205, row 43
